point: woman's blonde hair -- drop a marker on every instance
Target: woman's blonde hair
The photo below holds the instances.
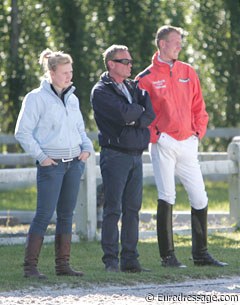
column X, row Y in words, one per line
column 50, row 59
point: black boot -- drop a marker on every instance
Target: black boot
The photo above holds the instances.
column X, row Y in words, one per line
column 165, row 235
column 200, row 255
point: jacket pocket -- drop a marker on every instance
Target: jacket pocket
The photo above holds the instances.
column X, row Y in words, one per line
column 134, row 138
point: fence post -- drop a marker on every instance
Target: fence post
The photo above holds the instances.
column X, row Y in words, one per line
column 234, row 181
column 86, row 208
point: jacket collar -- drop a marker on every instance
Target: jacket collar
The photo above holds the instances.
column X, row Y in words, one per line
column 47, row 86
column 106, row 78
column 130, row 84
column 156, row 62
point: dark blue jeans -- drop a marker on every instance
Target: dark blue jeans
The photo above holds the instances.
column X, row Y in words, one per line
column 57, row 188
column 122, row 181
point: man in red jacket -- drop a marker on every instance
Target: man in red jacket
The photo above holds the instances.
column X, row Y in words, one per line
column 181, row 120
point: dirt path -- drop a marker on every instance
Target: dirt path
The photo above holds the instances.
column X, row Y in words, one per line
column 224, row 291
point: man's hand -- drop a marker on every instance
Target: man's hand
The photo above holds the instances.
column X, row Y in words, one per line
column 131, row 123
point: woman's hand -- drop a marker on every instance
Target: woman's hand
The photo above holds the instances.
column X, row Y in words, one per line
column 48, row 162
column 84, row 156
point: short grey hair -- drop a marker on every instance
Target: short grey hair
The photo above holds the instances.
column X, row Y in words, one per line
column 109, row 53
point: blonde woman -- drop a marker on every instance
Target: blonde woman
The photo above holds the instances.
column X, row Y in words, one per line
column 51, row 129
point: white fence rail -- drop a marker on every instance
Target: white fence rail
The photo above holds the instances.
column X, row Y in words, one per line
column 226, row 165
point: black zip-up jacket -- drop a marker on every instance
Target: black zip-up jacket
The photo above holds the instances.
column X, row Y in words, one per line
column 122, row 126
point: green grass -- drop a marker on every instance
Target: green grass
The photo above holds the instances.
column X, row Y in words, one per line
column 86, row 256
column 217, row 195
column 25, row 199
column 18, row 199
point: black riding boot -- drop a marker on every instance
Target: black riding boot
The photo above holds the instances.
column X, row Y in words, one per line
column 200, row 255
column 165, row 235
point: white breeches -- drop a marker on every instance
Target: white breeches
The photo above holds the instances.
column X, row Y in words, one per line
column 171, row 157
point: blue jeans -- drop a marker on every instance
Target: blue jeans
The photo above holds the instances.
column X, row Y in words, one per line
column 57, row 188
column 122, row 181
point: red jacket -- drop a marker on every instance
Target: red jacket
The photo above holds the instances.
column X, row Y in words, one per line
column 177, row 100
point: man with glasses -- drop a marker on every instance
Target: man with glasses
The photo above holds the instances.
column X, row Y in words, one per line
column 122, row 112
column 181, row 120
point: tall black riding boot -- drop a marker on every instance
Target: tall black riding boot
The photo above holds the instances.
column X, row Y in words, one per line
column 165, row 235
column 200, row 254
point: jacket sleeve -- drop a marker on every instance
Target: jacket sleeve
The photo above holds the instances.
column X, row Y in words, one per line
column 111, row 107
column 199, row 114
column 154, row 132
column 26, row 123
column 86, row 142
column 148, row 115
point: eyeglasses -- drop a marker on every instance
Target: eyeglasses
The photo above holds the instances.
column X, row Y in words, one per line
column 124, row 61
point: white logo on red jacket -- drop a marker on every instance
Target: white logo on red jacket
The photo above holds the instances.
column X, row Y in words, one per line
column 184, row 80
column 159, row 84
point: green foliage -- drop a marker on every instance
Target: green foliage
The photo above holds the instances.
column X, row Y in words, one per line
column 26, row 31
column 220, row 64
column 85, row 28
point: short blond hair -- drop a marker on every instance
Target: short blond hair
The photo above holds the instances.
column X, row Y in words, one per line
column 164, row 31
column 50, row 59
column 109, row 53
